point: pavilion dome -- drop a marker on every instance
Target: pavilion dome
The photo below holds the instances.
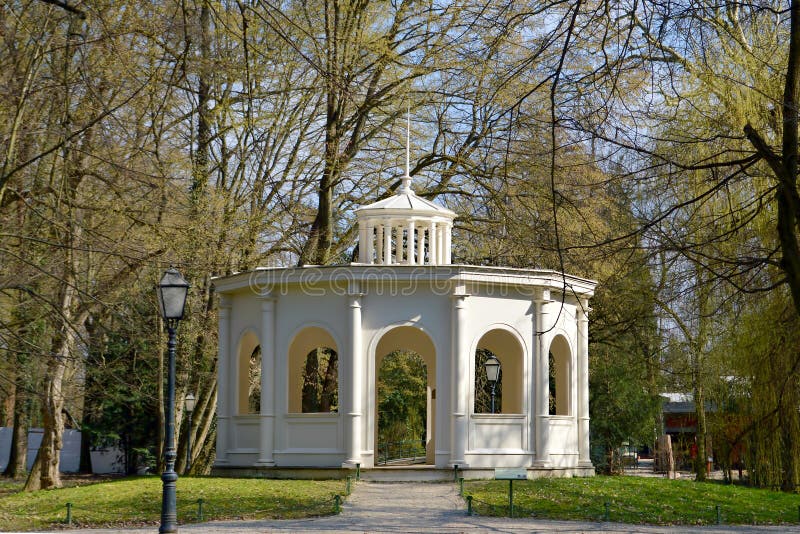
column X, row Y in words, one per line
column 405, row 229
column 404, row 203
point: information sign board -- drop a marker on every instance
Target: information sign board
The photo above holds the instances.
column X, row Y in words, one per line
column 510, row 473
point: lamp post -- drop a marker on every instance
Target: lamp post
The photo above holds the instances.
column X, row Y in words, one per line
column 172, row 290
column 188, row 404
column 492, row 367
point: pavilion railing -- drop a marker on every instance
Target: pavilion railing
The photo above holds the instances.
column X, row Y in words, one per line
column 400, row 452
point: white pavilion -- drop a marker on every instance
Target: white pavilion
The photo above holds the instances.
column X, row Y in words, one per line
column 404, row 294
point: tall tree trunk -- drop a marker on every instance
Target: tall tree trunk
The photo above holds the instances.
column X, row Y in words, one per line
column 310, row 403
column 784, row 165
column 318, row 246
column 789, row 453
column 788, row 198
column 17, row 459
column 85, row 463
column 201, row 156
column 63, row 348
column 789, row 419
column 92, row 390
column 45, row 473
column 204, row 457
column 330, row 381
column 700, row 435
column 67, row 232
column 204, row 429
column 9, row 402
column 700, row 369
column 48, row 458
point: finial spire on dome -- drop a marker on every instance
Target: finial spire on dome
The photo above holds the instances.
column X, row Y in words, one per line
column 405, row 186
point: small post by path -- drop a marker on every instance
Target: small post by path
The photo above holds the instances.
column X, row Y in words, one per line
column 511, row 474
column 511, row 498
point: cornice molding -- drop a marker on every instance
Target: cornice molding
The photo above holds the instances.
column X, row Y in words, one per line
column 268, row 281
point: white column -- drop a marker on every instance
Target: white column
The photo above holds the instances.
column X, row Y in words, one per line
column 223, row 386
column 448, row 235
column 235, row 382
column 432, row 244
column 421, row 246
column 387, row 244
column 362, row 243
column 355, row 368
column 369, row 246
column 440, row 244
column 542, row 384
column 267, row 422
column 379, row 243
column 410, row 250
column 399, row 258
column 584, row 460
column 459, row 380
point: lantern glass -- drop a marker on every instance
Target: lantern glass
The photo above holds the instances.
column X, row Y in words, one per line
column 172, row 291
column 189, row 402
column 492, row 366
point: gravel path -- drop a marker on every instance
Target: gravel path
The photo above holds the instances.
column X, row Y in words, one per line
column 426, row 507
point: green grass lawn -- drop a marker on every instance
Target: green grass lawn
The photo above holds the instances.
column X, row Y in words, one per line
column 635, row 500
column 137, row 501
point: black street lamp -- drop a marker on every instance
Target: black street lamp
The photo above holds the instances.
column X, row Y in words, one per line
column 172, row 290
column 188, row 404
column 492, row 366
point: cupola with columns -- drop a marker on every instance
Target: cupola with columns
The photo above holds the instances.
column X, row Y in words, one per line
column 405, row 229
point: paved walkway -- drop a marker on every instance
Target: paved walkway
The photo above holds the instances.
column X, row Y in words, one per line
column 426, row 507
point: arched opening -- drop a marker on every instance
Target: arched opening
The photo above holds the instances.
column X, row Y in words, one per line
column 405, row 379
column 484, row 389
column 402, row 408
column 559, row 356
column 249, row 360
column 504, row 346
column 313, row 372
